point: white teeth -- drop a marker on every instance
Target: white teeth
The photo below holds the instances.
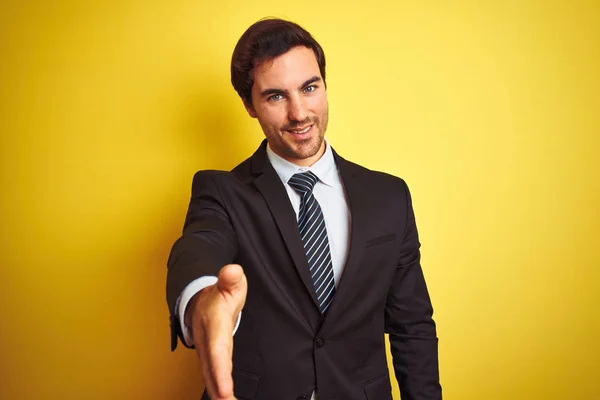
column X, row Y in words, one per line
column 302, row 131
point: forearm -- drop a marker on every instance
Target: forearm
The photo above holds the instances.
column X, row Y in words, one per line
column 207, row 244
column 415, row 360
column 409, row 322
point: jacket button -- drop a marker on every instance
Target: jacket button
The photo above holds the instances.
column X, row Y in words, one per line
column 320, row 342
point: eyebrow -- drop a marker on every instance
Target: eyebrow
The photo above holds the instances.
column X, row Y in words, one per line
column 270, row 92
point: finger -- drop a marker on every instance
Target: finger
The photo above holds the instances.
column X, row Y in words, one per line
column 232, row 284
column 219, row 342
column 231, row 278
column 206, row 377
column 207, row 350
column 212, row 336
column 202, row 351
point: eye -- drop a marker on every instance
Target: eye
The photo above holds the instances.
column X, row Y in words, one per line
column 275, row 97
column 310, row 88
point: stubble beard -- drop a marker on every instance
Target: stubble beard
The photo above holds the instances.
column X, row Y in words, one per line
column 311, row 146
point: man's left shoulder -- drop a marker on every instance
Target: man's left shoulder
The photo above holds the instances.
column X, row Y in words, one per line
column 370, row 177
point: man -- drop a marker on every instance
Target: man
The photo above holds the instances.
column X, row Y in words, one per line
column 314, row 257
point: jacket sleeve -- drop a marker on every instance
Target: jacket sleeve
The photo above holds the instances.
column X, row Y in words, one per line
column 409, row 323
column 208, row 243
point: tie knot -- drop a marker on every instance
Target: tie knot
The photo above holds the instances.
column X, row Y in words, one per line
column 303, row 182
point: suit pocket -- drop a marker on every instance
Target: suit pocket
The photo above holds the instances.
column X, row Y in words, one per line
column 381, row 239
column 245, row 384
column 379, row 389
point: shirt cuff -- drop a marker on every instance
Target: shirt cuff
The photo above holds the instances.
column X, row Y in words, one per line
column 190, row 290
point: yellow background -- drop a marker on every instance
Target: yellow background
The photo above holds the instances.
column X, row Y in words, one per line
column 489, row 110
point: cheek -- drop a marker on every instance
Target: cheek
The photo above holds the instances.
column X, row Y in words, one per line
column 274, row 118
column 270, row 122
column 319, row 105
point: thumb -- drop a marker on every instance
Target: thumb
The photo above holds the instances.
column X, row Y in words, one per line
column 231, row 278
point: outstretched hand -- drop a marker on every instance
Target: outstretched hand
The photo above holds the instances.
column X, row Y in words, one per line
column 212, row 314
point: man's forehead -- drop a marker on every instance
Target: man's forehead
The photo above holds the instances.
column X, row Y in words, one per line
column 287, row 70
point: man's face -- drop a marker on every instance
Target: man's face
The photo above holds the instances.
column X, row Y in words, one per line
column 290, row 101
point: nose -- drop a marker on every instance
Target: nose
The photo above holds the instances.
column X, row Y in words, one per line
column 297, row 109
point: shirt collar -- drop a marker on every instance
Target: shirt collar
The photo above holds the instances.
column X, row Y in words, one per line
column 324, row 168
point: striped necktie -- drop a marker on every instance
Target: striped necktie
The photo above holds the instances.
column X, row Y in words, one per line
column 314, row 238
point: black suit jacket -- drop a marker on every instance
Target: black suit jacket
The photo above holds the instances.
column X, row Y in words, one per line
column 284, row 348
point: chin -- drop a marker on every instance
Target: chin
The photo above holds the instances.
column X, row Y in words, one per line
column 307, row 151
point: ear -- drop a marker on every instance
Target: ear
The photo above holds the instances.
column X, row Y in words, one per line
column 249, row 108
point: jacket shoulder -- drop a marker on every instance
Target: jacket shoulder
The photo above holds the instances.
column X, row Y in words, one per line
column 371, row 177
column 212, row 176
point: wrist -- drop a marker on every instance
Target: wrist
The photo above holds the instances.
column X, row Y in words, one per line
column 190, row 310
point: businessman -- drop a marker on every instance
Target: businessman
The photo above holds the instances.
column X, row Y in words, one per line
column 293, row 265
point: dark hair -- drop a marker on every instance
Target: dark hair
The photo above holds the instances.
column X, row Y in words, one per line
column 263, row 41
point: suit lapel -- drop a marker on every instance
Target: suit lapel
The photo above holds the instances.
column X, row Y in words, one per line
column 270, row 186
column 358, row 203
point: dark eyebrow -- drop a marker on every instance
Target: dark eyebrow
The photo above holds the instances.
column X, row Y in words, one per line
column 311, row 80
column 270, row 92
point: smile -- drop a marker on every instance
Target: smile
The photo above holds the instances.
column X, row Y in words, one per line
column 300, row 131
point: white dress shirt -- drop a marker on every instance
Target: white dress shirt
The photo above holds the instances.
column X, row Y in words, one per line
column 329, row 192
